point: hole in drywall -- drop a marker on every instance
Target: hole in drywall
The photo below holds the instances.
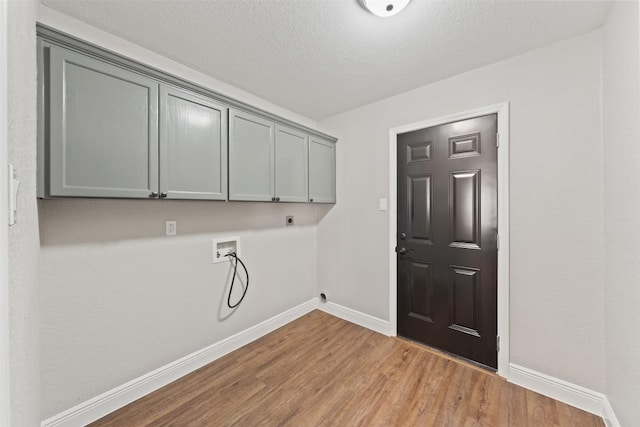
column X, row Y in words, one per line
column 323, row 297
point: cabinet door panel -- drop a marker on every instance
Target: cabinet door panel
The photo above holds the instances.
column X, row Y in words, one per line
column 322, row 171
column 103, row 129
column 292, row 160
column 193, row 148
column 251, row 162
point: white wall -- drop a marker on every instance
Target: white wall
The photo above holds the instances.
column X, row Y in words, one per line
column 621, row 150
column 23, row 237
column 119, row 299
column 556, row 201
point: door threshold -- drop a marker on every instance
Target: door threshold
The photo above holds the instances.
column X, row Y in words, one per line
column 453, row 357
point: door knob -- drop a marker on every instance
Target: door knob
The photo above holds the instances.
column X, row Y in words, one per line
column 403, row 236
column 401, row 251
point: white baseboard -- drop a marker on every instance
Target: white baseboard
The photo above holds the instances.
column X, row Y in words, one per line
column 118, row 397
column 378, row 325
column 609, row 416
column 563, row 391
column 96, row 408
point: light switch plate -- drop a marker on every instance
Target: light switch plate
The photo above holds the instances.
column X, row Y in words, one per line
column 171, row 228
column 14, row 186
column 384, row 205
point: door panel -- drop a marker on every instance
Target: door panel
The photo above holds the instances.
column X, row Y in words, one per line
column 420, row 192
column 251, row 163
column 464, row 300
column 421, row 285
column 447, row 227
column 103, row 129
column 464, row 146
column 419, row 151
column 193, row 148
column 464, row 209
column 292, row 159
column 322, row 171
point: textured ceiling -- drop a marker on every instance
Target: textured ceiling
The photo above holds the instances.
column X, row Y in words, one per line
column 322, row 57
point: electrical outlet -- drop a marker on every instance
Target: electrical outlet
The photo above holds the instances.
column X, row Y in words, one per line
column 171, row 228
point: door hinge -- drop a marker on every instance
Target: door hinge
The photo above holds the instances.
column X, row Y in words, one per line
column 498, row 241
column 498, row 140
column 498, row 343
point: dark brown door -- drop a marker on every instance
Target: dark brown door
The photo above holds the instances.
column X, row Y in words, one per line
column 447, row 237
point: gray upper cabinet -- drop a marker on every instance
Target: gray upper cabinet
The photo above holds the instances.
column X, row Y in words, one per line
column 111, row 127
column 322, row 170
column 193, row 146
column 251, row 165
column 291, row 168
column 267, row 161
column 103, row 134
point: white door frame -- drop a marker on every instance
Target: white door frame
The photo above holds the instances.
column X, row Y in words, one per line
column 502, row 110
column 4, row 224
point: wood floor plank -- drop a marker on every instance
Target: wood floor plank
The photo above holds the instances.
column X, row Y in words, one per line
column 323, row 371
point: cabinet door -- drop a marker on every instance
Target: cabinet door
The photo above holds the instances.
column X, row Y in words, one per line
column 292, row 161
column 251, row 162
column 103, row 129
column 193, row 146
column 322, row 171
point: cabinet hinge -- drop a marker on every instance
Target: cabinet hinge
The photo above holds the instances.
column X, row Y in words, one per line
column 498, row 140
column 498, row 343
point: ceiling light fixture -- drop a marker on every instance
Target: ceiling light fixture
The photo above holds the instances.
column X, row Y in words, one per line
column 384, row 8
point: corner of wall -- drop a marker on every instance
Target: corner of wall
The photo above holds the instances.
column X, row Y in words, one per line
column 621, row 133
column 23, row 237
column 4, row 238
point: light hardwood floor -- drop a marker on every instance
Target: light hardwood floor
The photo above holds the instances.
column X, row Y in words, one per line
column 323, row 371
